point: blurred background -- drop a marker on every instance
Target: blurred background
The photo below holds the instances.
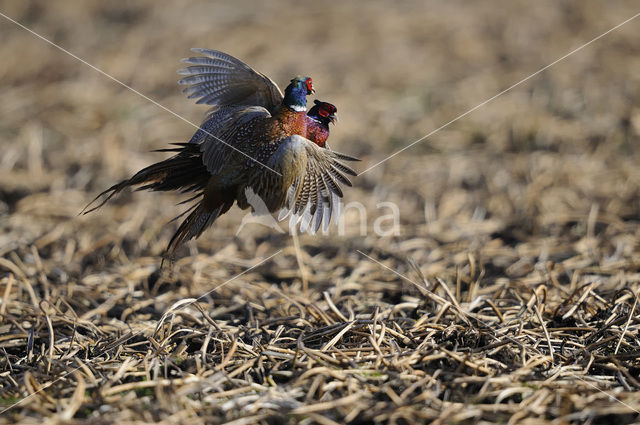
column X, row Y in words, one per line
column 536, row 161
column 538, row 186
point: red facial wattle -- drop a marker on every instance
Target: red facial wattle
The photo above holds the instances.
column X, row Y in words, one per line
column 309, row 84
column 327, row 110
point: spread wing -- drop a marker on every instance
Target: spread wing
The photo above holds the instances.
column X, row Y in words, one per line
column 315, row 195
column 218, row 79
column 223, row 136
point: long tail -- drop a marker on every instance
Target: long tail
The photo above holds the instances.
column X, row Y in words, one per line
column 183, row 171
column 201, row 216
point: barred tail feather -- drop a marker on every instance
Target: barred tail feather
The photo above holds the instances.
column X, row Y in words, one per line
column 110, row 193
column 192, row 226
column 183, row 171
column 199, row 219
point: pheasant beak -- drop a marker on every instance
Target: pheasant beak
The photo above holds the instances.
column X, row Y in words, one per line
column 333, row 118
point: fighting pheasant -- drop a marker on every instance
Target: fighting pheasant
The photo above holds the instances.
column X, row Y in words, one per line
column 318, row 121
column 186, row 169
column 253, row 142
column 220, row 80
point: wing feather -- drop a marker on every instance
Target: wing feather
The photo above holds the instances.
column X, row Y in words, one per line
column 315, row 198
column 219, row 79
column 221, row 136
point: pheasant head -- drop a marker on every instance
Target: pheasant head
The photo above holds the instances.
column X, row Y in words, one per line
column 295, row 95
column 324, row 112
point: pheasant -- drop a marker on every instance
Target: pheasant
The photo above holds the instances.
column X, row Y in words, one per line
column 320, row 116
column 251, row 143
column 186, row 170
column 220, row 80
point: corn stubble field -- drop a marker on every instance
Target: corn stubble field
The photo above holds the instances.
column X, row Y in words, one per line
column 508, row 294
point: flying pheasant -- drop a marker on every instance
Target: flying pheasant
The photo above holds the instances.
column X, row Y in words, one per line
column 220, row 80
column 186, row 169
column 253, row 141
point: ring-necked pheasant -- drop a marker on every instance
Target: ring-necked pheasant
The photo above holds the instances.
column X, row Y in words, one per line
column 252, row 142
column 187, row 171
column 320, row 116
column 220, row 80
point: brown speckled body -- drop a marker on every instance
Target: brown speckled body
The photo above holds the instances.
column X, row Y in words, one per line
column 284, row 123
column 317, row 132
column 262, row 142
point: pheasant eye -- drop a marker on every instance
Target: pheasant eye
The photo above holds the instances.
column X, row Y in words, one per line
column 309, row 84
